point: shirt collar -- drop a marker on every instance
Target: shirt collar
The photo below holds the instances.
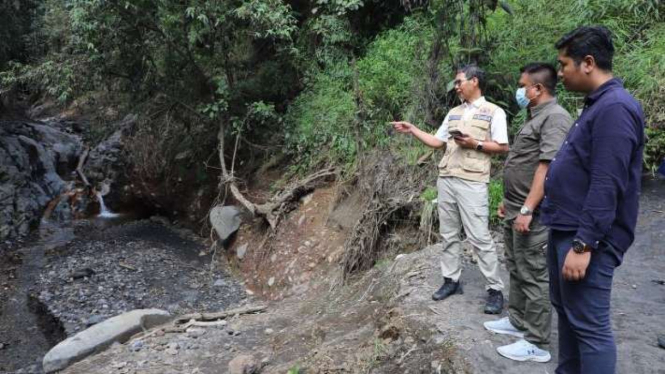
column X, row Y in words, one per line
column 476, row 104
column 595, row 95
column 541, row 107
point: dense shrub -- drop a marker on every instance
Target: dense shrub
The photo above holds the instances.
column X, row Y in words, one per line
column 321, row 120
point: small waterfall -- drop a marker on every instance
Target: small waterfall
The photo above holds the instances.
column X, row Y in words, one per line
column 103, row 210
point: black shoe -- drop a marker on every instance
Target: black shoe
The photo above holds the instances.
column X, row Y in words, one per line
column 494, row 302
column 661, row 341
column 448, row 288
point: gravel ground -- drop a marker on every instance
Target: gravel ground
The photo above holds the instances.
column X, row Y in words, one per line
column 141, row 264
column 102, row 269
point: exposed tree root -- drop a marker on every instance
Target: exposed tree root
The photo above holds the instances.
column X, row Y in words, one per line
column 275, row 208
column 393, row 188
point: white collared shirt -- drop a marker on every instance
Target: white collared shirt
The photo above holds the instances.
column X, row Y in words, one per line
column 498, row 126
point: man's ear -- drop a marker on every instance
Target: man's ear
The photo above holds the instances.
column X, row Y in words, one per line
column 588, row 64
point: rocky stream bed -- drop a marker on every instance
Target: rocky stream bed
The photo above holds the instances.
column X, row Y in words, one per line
column 65, row 279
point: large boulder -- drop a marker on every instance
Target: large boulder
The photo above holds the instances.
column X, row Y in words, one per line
column 225, row 220
column 100, row 336
column 36, row 162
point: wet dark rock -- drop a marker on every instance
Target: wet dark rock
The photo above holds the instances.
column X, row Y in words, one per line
column 36, row 163
column 82, row 273
column 107, row 165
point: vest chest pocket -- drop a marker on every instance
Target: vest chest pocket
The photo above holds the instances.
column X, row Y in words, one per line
column 479, row 126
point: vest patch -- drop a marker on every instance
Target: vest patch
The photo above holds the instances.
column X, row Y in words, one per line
column 482, row 117
column 453, row 117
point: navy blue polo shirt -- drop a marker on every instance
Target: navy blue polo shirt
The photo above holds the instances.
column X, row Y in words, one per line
column 592, row 186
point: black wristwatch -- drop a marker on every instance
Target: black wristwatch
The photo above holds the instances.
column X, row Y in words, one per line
column 580, row 246
column 479, row 146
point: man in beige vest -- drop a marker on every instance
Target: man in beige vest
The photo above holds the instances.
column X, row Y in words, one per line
column 470, row 134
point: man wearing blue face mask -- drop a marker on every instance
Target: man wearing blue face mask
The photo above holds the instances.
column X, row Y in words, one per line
column 535, row 145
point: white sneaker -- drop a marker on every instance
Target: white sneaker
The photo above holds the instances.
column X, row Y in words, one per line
column 503, row 326
column 524, row 351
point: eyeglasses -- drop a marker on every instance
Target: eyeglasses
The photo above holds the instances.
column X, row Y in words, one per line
column 458, row 82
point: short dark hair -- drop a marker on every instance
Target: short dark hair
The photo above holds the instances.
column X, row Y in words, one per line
column 473, row 71
column 593, row 41
column 543, row 73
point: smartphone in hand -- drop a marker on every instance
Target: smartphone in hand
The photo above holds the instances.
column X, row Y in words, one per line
column 456, row 134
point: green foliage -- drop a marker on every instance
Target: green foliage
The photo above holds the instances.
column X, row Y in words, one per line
column 17, row 29
column 341, row 7
column 391, row 67
column 496, row 197
column 270, row 18
column 654, row 154
column 280, row 71
column 294, row 370
column 322, row 117
column 57, row 77
column 429, row 194
column 319, row 121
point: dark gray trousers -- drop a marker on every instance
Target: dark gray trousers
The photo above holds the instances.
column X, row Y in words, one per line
column 529, row 302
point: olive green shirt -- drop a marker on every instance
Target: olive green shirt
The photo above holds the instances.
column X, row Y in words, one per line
column 538, row 140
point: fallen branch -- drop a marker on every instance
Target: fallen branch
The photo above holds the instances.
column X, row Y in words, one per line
column 401, row 359
column 126, row 266
column 199, row 320
column 79, row 167
column 192, row 323
column 219, row 315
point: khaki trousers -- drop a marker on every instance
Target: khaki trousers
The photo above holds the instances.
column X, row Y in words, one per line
column 463, row 203
column 529, row 303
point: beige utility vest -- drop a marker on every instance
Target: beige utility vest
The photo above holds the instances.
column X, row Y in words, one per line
column 467, row 163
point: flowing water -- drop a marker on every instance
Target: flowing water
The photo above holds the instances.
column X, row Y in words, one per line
column 104, row 212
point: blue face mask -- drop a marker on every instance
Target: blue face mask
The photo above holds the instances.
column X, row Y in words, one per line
column 520, row 97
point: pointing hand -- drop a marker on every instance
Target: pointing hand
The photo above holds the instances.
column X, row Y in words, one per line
column 402, row 126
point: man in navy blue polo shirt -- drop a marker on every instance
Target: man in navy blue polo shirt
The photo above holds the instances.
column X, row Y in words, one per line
column 591, row 201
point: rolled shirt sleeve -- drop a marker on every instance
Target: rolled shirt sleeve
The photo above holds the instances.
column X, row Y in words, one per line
column 552, row 134
column 442, row 133
column 614, row 140
column 499, row 127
